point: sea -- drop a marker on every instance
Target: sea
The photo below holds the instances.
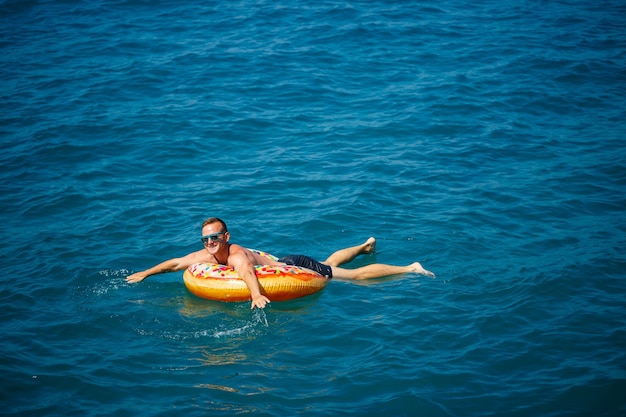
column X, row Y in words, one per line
column 484, row 139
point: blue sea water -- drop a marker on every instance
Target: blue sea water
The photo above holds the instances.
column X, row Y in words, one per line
column 484, row 139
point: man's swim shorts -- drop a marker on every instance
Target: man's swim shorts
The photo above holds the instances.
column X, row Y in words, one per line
column 308, row 263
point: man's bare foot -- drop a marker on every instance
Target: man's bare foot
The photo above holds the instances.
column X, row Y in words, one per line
column 370, row 245
column 419, row 269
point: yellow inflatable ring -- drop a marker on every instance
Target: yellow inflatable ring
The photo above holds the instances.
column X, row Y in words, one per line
column 278, row 283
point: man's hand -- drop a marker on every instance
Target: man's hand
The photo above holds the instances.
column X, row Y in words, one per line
column 137, row 277
column 259, row 301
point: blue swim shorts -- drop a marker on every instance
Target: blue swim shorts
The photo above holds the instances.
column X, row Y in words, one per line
column 308, row 263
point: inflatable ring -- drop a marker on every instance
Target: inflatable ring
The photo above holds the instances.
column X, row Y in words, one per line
column 278, row 283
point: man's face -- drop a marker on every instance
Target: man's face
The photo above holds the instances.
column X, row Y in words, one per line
column 214, row 237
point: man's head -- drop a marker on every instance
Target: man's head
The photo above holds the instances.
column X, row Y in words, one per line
column 215, row 235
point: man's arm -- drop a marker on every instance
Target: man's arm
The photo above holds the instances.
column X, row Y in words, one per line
column 171, row 265
column 244, row 267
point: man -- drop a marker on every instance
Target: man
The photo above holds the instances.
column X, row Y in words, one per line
column 218, row 250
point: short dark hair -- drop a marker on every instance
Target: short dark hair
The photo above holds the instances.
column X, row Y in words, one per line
column 215, row 220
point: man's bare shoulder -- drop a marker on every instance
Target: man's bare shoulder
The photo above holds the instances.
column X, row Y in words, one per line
column 201, row 256
column 239, row 252
column 252, row 257
column 237, row 249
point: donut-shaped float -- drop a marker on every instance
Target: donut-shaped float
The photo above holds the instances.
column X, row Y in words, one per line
column 278, row 283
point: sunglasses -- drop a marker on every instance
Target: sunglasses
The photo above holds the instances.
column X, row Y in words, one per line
column 213, row 237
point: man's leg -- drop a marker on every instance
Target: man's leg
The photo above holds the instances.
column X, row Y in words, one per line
column 379, row 270
column 343, row 256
